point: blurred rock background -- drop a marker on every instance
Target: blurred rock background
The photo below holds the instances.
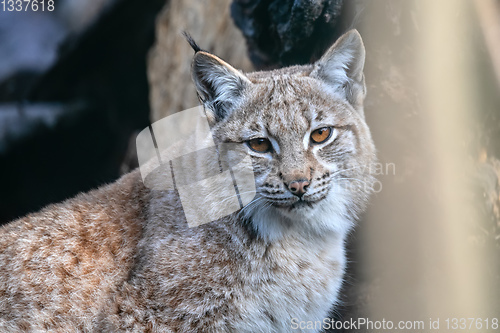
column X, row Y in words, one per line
column 73, row 89
column 169, row 61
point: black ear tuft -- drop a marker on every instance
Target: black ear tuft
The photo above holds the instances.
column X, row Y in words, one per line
column 219, row 85
column 191, row 42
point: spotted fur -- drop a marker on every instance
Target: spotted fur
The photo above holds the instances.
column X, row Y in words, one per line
column 122, row 258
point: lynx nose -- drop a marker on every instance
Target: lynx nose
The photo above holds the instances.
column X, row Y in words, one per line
column 298, row 187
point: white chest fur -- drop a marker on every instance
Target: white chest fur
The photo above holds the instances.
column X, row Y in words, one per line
column 296, row 281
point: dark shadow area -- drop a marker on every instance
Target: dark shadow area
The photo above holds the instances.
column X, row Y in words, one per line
column 66, row 129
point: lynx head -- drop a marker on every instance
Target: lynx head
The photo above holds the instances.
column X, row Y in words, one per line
column 305, row 130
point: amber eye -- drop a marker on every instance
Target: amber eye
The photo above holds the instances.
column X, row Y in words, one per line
column 321, row 134
column 259, row 145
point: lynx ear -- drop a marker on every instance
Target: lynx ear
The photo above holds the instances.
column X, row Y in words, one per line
column 341, row 67
column 220, row 86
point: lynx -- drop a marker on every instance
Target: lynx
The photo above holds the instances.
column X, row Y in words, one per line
column 123, row 259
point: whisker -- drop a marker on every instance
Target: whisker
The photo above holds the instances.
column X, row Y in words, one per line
column 359, row 180
column 345, row 170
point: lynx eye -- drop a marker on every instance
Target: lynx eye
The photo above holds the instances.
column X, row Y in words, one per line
column 321, row 134
column 259, row 145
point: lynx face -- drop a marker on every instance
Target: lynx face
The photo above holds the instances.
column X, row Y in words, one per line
column 304, row 128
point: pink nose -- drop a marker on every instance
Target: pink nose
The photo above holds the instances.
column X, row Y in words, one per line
column 298, row 187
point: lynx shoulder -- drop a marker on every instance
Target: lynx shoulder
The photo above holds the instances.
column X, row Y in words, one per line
column 124, row 258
